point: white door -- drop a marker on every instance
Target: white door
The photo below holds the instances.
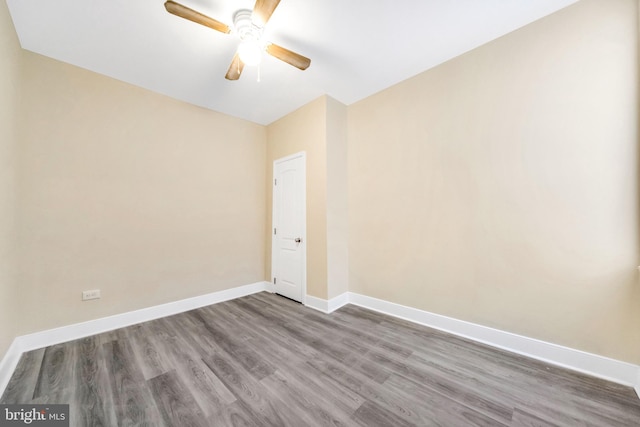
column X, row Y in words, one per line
column 288, row 266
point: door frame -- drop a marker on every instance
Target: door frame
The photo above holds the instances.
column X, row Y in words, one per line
column 303, row 246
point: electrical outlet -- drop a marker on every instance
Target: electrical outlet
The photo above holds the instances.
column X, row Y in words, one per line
column 92, row 294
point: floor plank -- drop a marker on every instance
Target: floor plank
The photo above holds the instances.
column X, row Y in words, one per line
column 176, row 405
column 132, row 399
column 94, row 402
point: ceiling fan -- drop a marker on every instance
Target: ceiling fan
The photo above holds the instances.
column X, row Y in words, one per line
column 249, row 26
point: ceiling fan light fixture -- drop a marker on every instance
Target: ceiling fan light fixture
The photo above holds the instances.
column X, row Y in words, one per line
column 251, row 46
column 250, row 52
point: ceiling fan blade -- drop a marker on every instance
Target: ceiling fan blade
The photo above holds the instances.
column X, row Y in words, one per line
column 235, row 69
column 263, row 10
column 197, row 17
column 295, row 59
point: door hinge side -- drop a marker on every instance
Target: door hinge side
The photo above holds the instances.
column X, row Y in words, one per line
column 275, row 231
column 275, row 181
column 274, row 280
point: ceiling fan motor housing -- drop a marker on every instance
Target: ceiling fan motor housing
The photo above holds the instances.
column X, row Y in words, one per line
column 247, row 29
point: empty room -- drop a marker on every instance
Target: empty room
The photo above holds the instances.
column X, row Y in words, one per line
column 310, row 213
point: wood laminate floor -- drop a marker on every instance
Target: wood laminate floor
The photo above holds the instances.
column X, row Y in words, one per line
column 263, row 360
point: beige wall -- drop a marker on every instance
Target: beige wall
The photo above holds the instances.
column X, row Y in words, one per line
column 146, row 198
column 304, row 130
column 501, row 188
column 9, row 83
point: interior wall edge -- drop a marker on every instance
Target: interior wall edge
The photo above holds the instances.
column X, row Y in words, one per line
column 75, row 331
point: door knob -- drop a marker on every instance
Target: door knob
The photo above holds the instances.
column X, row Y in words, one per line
column 298, row 240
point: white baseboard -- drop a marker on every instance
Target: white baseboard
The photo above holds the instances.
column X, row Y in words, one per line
column 576, row 360
column 337, row 302
column 270, row 287
column 327, row 306
column 49, row 337
column 317, row 303
column 591, row 364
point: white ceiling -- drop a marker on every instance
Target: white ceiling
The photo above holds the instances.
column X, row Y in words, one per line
column 357, row 47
